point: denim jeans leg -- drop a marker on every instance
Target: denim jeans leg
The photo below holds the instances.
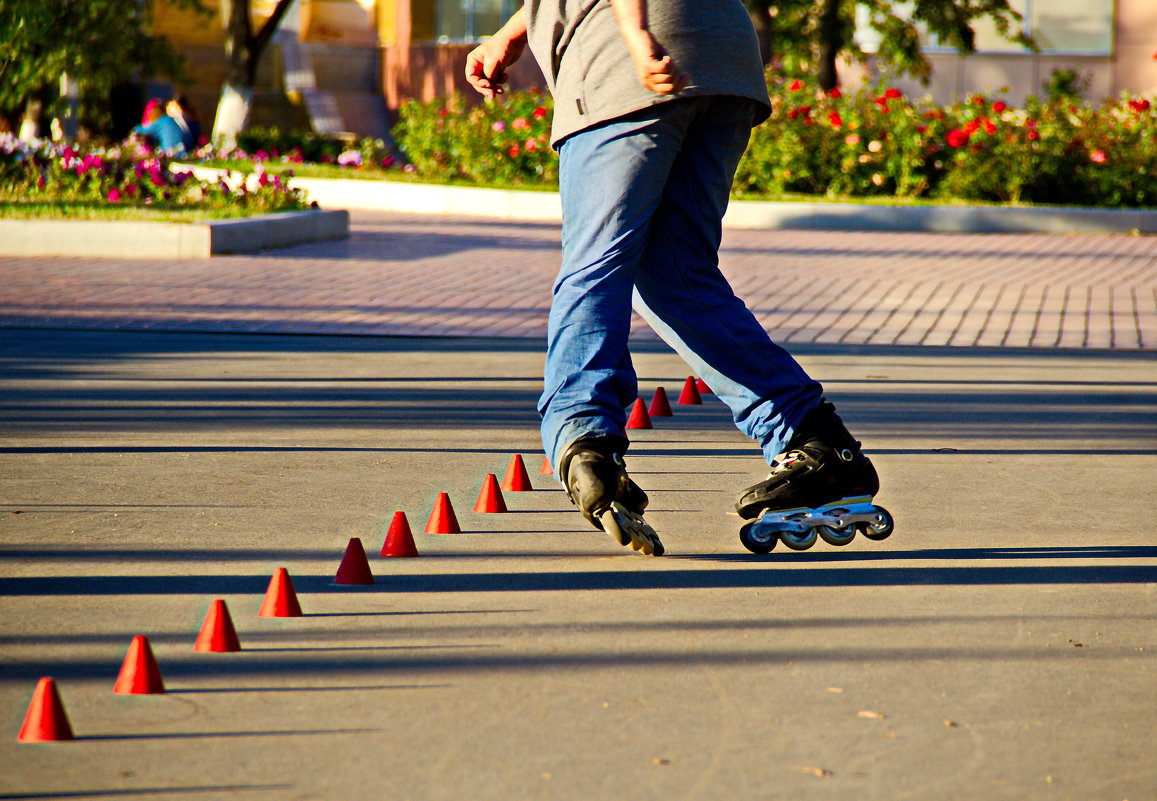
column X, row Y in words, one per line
column 682, row 294
column 611, row 180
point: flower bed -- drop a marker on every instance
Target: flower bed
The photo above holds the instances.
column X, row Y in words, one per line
column 876, row 143
column 46, row 179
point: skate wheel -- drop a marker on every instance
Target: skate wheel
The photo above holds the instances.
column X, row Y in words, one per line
column 754, row 541
column 837, row 536
column 799, row 542
column 881, row 529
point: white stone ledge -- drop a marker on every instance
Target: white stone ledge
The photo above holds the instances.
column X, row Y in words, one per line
column 149, row 240
column 751, row 214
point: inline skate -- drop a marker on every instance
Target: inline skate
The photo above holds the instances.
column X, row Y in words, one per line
column 820, row 487
column 595, row 477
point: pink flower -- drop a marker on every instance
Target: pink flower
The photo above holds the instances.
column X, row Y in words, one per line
column 519, row 124
column 498, row 127
column 852, row 139
column 114, row 195
column 1098, row 157
column 387, row 162
column 531, row 145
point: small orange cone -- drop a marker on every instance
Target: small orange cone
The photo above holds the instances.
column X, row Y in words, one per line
column 639, row 417
column 546, row 469
column 139, row 673
column 660, row 406
column 281, row 597
column 399, row 539
column 217, row 633
column 442, row 519
column 46, row 721
column 490, row 498
column 516, row 479
column 690, row 394
column 354, row 567
column 701, row 385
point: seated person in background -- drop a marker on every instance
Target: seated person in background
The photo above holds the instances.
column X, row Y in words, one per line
column 161, row 130
column 183, row 114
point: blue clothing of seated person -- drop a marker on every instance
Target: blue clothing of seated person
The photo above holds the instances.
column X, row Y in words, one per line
column 165, row 134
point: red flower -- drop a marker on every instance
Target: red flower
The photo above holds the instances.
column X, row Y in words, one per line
column 999, row 106
column 795, row 86
column 892, row 94
column 513, row 151
column 834, row 92
column 989, row 128
column 1098, row 157
column 539, row 112
column 1033, row 135
column 1139, row 105
column 979, row 101
column 971, row 127
column 921, row 129
column 835, row 119
column 957, row 138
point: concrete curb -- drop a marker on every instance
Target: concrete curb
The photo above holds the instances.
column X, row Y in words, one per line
column 743, row 214
column 195, row 240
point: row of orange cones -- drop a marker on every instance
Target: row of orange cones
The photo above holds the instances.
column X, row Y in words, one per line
column 46, row 719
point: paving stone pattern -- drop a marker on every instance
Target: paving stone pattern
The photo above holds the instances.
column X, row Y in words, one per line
column 410, row 275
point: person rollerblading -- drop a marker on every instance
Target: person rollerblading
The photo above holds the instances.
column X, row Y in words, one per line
column 821, row 487
column 595, row 477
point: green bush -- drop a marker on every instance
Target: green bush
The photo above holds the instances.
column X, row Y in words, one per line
column 874, row 142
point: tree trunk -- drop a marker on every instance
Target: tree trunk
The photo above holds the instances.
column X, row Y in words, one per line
column 831, row 43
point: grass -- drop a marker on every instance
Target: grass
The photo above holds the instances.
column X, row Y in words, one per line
column 108, row 212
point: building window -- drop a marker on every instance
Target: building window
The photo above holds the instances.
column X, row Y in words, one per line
column 1060, row 27
column 471, row 20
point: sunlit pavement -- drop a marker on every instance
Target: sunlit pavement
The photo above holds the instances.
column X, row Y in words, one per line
column 999, row 645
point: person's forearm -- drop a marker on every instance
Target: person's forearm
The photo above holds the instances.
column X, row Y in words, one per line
column 631, row 15
column 515, row 28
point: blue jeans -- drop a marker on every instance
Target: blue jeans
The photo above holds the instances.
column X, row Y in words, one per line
column 643, row 197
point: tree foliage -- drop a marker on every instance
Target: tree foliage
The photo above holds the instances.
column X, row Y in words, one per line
column 807, row 36
column 99, row 43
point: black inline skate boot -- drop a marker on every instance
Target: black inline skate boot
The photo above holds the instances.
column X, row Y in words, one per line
column 820, row 486
column 595, row 477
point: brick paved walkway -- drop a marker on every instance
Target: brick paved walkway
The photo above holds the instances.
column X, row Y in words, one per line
column 418, row 275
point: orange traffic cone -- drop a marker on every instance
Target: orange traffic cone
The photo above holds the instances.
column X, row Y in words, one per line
column 546, row 469
column 490, row 498
column 281, row 597
column 701, row 385
column 639, row 417
column 139, row 673
column 516, row 479
column 690, row 394
column 354, row 567
column 217, row 632
column 399, row 539
column 46, row 721
column 442, row 519
column 660, row 406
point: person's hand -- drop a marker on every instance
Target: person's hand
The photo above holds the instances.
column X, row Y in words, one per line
column 655, row 68
column 486, row 64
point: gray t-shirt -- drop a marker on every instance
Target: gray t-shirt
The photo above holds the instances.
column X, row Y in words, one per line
column 578, row 45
